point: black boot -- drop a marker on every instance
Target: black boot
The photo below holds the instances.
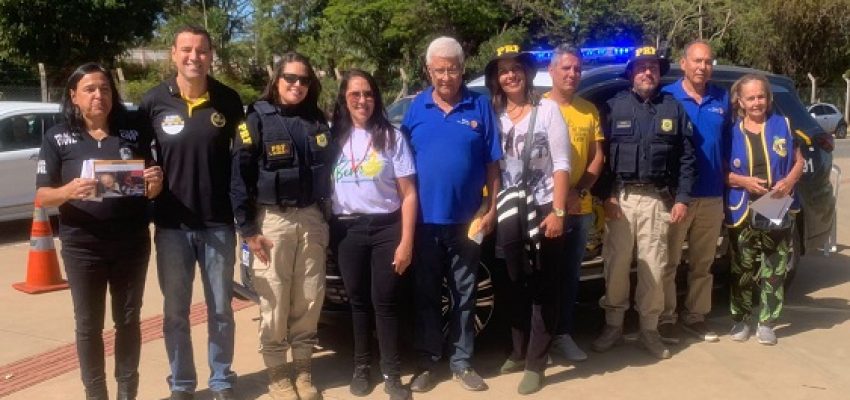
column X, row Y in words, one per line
column 128, row 390
column 394, row 388
column 360, row 382
column 97, row 392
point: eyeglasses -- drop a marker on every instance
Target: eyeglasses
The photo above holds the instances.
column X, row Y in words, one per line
column 292, row 78
column 450, row 72
column 366, row 95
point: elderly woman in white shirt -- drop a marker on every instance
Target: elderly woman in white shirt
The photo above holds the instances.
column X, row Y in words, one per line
column 374, row 207
column 535, row 182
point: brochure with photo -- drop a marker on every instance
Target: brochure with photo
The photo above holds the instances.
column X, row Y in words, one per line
column 115, row 178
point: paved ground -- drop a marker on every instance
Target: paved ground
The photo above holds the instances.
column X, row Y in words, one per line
column 812, row 360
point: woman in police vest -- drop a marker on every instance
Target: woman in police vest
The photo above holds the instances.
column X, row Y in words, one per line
column 105, row 243
column 763, row 159
column 374, row 207
column 531, row 206
column 280, row 180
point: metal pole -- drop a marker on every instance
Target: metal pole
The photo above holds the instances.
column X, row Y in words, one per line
column 846, row 99
column 42, row 75
column 814, row 87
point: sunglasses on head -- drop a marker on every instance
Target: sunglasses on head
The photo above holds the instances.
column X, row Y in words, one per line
column 292, row 78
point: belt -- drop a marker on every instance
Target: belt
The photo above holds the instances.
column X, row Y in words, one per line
column 375, row 218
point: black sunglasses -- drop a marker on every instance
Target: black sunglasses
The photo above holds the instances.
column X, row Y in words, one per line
column 292, row 78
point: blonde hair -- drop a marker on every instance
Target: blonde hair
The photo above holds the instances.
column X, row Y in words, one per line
column 735, row 93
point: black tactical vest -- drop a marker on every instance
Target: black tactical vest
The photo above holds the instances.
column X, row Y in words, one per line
column 297, row 158
column 646, row 140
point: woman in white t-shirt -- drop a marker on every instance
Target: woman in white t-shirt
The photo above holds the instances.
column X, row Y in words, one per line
column 533, row 240
column 374, row 207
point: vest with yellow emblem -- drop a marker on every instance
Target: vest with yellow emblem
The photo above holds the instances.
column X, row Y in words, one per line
column 777, row 143
column 297, row 158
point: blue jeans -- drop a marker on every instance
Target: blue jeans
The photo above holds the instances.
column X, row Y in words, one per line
column 444, row 251
column 576, row 242
column 214, row 250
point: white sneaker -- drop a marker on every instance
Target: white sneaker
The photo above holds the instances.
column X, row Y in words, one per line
column 567, row 347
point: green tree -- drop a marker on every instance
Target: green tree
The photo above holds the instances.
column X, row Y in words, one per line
column 64, row 34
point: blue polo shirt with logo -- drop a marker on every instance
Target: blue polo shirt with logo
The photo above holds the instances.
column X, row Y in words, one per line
column 710, row 120
column 451, row 151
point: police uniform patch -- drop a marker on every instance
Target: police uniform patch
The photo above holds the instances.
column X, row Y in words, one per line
column 276, row 150
column 322, row 140
column 172, row 124
column 667, row 125
column 623, row 124
column 736, row 163
column 780, row 147
column 244, row 134
column 218, row 119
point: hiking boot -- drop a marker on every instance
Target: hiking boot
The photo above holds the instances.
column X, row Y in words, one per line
column 610, row 336
column 740, row 331
column 765, row 334
column 530, row 383
column 651, row 341
column 668, row 333
column 422, row 381
column 360, row 381
column 511, row 366
column 470, row 380
column 394, row 388
column 700, row 330
column 304, row 380
column 567, row 347
column 280, row 383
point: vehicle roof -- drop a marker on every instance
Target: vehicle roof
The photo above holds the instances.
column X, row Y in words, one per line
column 7, row 107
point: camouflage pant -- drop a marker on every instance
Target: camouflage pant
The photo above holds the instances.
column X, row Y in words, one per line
column 759, row 259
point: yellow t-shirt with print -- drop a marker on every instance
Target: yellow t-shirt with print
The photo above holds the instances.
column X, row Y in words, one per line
column 584, row 128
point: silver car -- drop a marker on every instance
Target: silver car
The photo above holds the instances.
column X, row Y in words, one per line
column 22, row 125
column 829, row 118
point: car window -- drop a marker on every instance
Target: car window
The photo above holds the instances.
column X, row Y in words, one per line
column 24, row 131
column 396, row 110
column 818, row 110
column 828, row 110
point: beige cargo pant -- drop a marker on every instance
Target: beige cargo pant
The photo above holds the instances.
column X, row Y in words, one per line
column 644, row 224
column 701, row 228
column 292, row 285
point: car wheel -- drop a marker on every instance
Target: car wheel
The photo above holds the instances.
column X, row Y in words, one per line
column 841, row 131
column 485, row 301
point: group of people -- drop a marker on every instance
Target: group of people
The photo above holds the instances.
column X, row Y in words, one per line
column 386, row 200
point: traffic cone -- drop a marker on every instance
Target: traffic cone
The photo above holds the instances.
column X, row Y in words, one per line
column 42, row 264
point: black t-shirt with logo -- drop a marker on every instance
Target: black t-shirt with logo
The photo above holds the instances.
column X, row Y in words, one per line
column 194, row 151
column 84, row 221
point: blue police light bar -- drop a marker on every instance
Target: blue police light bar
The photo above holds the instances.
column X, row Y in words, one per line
column 590, row 54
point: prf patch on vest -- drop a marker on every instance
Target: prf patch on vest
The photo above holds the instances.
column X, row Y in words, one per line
column 322, row 139
column 780, row 147
column 217, row 119
column 623, row 124
column 244, row 134
column 278, row 150
column 666, row 125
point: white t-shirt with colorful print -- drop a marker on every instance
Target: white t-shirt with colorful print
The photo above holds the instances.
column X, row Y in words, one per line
column 365, row 179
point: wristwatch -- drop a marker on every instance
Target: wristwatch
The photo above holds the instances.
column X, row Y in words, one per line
column 559, row 212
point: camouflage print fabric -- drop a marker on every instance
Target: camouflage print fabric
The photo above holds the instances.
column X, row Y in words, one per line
column 759, row 260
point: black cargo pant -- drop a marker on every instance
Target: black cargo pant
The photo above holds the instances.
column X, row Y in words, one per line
column 119, row 266
column 365, row 246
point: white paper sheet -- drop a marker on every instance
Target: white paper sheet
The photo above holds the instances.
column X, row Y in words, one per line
column 772, row 208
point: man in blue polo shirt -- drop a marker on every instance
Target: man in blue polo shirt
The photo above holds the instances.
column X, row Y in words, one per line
column 454, row 136
column 707, row 106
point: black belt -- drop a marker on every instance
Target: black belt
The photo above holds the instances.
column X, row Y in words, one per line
column 380, row 218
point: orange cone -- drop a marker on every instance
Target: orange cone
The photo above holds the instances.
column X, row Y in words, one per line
column 42, row 264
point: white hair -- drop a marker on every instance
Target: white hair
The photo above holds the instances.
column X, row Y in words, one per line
column 444, row 47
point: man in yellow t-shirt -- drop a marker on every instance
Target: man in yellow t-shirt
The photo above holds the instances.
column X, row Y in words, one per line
column 586, row 165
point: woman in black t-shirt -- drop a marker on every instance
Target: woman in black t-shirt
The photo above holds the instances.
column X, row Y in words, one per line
column 104, row 243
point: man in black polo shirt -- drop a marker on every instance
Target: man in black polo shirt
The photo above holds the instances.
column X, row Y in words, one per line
column 194, row 119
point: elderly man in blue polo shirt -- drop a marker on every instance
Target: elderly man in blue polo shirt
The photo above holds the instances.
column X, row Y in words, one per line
column 707, row 106
column 455, row 140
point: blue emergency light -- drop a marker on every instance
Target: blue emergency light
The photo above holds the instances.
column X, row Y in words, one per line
column 595, row 55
